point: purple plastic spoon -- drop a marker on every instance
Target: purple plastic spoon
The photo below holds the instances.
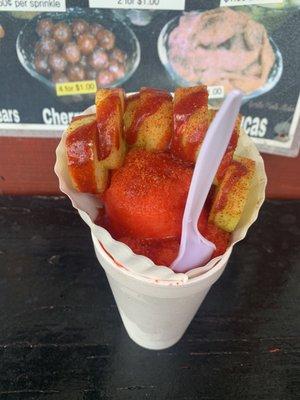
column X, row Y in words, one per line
column 194, row 249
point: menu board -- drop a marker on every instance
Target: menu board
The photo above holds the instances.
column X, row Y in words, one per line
column 54, row 54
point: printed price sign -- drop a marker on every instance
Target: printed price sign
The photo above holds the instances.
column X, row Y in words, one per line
column 72, row 88
column 232, row 3
column 215, row 92
column 33, row 5
column 139, row 4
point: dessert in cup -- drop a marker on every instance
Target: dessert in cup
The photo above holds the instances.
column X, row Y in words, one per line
column 127, row 164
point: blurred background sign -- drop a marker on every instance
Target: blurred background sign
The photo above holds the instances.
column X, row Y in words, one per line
column 53, row 58
column 139, row 4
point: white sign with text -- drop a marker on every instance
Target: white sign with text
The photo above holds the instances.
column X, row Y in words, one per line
column 139, row 4
column 33, row 5
column 232, row 3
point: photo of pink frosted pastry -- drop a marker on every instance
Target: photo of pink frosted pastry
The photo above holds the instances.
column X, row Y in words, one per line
column 221, row 47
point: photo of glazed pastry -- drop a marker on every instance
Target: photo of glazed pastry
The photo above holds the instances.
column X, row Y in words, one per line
column 221, row 47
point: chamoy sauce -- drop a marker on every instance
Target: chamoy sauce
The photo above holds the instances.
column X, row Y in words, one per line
column 144, row 204
column 150, row 101
column 109, row 132
column 239, row 171
column 80, row 155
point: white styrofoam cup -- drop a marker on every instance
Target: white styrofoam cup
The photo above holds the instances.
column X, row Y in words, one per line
column 156, row 315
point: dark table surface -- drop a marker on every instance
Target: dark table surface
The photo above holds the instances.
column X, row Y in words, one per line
column 61, row 336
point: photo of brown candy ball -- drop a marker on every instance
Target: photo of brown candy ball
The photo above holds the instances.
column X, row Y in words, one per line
column 76, row 50
column 44, row 27
column 106, row 39
column 118, row 55
column 84, row 62
column 86, row 43
column 71, row 52
column 105, row 78
column 91, row 74
column 95, row 28
column 57, row 62
column 41, row 64
column 117, row 69
column 79, row 26
column 98, row 59
column 46, row 46
column 75, row 73
column 59, row 77
column 62, row 32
